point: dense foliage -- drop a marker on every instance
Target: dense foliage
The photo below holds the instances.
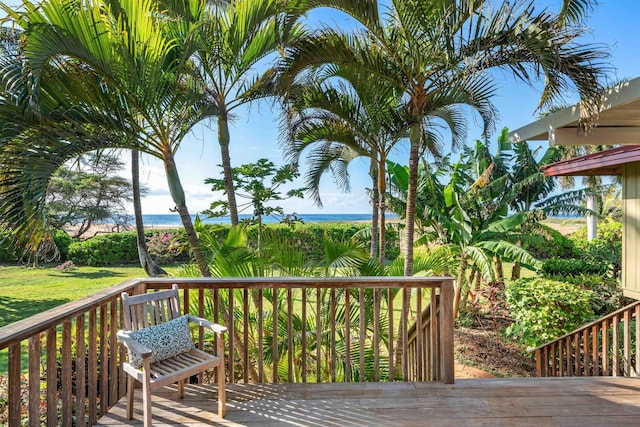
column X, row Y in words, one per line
column 544, row 309
column 170, row 246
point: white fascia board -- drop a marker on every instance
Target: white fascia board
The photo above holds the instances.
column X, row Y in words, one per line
column 543, row 129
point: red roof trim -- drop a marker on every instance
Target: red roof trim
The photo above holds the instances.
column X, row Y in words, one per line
column 597, row 164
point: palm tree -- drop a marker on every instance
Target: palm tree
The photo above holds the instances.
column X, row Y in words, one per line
column 235, row 38
column 131, row 67
column 340, row 122
column 438, row 54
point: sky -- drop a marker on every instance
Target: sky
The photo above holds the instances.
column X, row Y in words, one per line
column 254, row 132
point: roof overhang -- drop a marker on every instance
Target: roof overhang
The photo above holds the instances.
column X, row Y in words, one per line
column 618, row 122
column 605, row 163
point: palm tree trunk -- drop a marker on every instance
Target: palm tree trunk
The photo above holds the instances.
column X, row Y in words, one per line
column 382, row 207
column 223, row 140
column 414, row 136
column 373, row 252
column 150, row 267
column 177, row 194
column 409, row 230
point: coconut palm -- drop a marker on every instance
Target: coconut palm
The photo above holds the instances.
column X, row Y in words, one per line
column 131, row 65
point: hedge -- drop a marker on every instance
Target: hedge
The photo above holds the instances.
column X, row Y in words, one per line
column 121, row 248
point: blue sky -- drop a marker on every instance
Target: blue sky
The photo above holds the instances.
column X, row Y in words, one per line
column 254, row 133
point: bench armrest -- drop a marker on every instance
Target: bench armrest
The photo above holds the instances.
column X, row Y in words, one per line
column 133, row 345
column 219, row 329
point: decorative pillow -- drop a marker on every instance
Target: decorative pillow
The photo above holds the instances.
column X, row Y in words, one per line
column 164, row 340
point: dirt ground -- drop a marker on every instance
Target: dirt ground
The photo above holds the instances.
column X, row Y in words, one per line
column 482, row 352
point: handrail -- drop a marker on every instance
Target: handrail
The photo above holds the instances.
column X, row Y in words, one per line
column 76, row 342
column 595, row 349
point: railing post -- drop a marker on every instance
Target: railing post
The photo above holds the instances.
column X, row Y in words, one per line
column 446, row 337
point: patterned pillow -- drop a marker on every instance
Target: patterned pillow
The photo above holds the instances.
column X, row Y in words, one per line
column 164, row 340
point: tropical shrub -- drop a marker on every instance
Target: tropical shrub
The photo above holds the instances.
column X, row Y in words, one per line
column 555, row 245
column 162, row 249
column 544, row 309
column 607, row 293
column 573, row 267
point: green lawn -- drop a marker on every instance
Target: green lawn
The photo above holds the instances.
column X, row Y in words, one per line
column 25, row 291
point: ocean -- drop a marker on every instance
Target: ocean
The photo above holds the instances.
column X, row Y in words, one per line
column 174, row 219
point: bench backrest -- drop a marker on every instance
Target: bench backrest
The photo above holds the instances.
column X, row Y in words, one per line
column 143, row 311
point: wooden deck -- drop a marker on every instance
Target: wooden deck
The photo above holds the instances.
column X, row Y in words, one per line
column 603, row 401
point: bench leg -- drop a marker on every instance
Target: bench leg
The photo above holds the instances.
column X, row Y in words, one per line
column 181, row 389
column 222, row 397
column 131, row 384
column 146, row 393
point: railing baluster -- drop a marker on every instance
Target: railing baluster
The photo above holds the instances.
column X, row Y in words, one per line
column 595, row 351
column 419, row 356
column 434, row 342
column 318, row 337
column 391, row 343
column 104, row 377
column 274, row 334
column 585, row 353
column 304, row 335
column 404, row 326
column 216, row 319
column 289, row 335
column 245, row 331
column 80, row 371
column 605, row 347
column 67, row 419
column 14, row 384
column 231, row 331
column 260, row 336
column 627, row 344
column 576, row 354
column 34, row 380
column 615, row 349
column 362, row 332
column 332, row 321
column 113, row 360
column 347, row 335
column 122, row 389
column 93, row 367
column 376, row 334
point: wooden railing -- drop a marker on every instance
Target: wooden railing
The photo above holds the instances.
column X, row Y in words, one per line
column 73, row 371
column 422, row 346
column 606, row 347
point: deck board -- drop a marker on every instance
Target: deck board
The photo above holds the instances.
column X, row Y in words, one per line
column 468, row 402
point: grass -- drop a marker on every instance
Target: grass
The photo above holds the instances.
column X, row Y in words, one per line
column 25, row 291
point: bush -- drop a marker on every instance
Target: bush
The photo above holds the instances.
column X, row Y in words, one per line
column 544, row 309
column 169, row 246
column 607, row 293
column 573, row 267
column 556, row 245
column 106, row 249
column 162, row 248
